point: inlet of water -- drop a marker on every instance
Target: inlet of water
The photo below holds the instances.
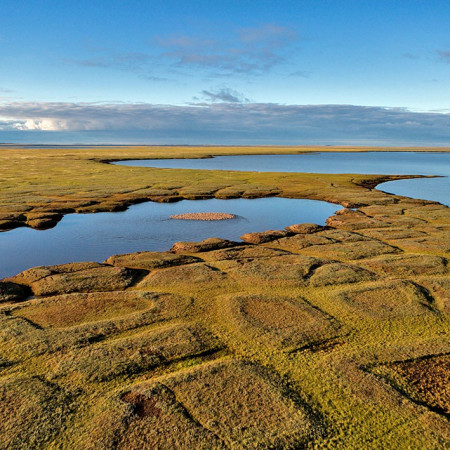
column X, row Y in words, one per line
column 386, row 163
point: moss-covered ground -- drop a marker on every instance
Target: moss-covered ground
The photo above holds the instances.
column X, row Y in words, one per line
column 316, row 337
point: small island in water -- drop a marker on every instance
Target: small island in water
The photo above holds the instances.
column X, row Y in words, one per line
column 204, row 216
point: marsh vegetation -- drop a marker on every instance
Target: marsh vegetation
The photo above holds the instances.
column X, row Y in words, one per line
column 332, row 336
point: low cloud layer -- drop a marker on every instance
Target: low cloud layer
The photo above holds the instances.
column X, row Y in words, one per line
column 232, row 122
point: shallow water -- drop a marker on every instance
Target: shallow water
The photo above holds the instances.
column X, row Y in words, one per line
column 388, row 163
column 146, row 226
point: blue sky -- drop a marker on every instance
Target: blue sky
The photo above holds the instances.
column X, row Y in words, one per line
column 289, row 72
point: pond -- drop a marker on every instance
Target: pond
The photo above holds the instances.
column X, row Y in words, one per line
column 147, row 226
column 388, row 163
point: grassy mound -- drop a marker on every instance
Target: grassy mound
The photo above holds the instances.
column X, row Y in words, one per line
column 424, row 380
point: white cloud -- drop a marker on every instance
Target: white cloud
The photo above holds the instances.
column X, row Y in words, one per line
column 251, row 51
column 42, row 125
column 245, row 51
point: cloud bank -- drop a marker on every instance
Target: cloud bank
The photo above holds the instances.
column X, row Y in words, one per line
column 231, row 122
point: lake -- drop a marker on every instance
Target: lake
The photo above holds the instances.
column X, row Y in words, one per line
column 147, row 226
column 388, row 163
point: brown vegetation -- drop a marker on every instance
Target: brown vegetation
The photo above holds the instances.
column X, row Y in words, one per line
column 424, row 380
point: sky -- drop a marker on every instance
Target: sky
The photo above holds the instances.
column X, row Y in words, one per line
column 288, row 72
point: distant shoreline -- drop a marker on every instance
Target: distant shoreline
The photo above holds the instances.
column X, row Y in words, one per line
column 277, row 148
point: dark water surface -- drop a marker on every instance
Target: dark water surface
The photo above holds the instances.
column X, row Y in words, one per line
column 146, row 226
column 388, row 163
